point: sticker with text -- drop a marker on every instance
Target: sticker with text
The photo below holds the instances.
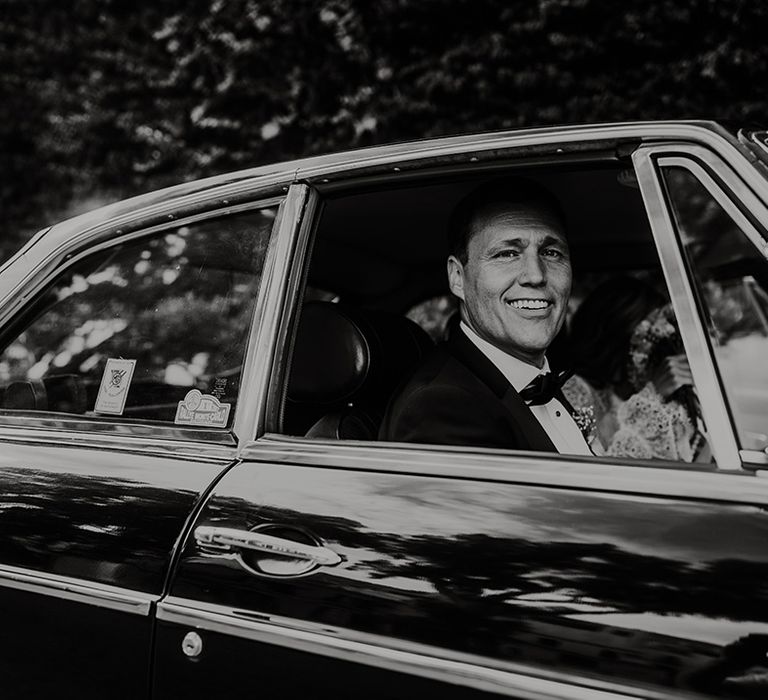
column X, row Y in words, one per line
column 203, row 410
column 115, row 383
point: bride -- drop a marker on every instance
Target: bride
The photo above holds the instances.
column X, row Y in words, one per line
column 632, row 390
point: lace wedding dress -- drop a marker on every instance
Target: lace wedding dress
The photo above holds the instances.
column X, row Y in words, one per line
column 645, row 426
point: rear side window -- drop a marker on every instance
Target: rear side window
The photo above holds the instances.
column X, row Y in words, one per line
column 731, row 274
column 137, row 329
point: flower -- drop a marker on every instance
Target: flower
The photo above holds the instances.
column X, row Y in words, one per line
column 584, row 417
column 653, row 330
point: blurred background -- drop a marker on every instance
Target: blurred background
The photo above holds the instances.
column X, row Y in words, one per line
column 102, row 99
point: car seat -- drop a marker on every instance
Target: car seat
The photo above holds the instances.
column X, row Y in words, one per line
column 347, row 363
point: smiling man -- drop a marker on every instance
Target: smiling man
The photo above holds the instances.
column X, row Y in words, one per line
column 489, row 385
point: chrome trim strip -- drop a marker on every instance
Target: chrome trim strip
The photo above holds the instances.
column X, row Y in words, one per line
column 261, row 343
column 443, row 665
column 734, row 179
column 77, row 590
column 131, row 430
column 295, row 277
column 535, row 469
column 156, row 445
column 754, row 459
column 713, row 407
column 44, row 264
column 708, row 134
column 757, row 142
column 226, row 539
column 267, row 178
column 754, row 205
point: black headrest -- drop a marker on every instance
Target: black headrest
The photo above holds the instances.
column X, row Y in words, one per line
column 341, row 351
column 62, row 393
column 26, row 396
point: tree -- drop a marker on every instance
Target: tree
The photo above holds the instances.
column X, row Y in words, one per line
column 126, row 99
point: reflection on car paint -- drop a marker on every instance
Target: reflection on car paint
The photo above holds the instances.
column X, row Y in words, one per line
column 111, row 519
column 605, row 585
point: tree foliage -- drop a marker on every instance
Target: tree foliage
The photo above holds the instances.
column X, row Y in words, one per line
column 102, row 98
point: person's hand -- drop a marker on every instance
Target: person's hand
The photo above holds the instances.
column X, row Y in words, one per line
column 671, row 374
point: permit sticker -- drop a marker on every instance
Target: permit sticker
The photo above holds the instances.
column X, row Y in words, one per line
column 202, row 409
column 115, row 383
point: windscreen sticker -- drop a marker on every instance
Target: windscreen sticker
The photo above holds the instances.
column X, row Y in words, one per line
column 115, row 383
column 202, row 409
column 219, row 387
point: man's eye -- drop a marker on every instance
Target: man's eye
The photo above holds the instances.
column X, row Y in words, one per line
column 505, row 254
column 554, row 253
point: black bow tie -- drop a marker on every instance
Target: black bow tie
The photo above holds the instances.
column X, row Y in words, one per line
column 544, row 387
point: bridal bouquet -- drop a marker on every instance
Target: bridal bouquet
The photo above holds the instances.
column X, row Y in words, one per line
column 655, row 336
column 669, row 425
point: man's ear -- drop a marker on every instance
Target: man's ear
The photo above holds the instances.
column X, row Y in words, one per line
column 456, row 276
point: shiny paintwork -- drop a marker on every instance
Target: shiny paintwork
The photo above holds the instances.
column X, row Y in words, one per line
column 602, row 585
column 101, row 516
column 465, row 574
column 604, row 574
column 88, row 538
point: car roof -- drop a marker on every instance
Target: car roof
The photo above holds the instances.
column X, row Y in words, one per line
column 227, row 189
column 315, row 166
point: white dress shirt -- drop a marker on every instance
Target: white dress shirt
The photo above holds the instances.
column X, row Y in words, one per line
column 554, row 418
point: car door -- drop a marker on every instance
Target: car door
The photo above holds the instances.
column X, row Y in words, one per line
column 335, row 568
column 119, row 339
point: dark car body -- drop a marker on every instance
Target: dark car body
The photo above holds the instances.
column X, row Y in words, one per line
column 142, row 556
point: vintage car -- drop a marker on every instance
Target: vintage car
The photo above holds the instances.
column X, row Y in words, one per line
column 194, row 502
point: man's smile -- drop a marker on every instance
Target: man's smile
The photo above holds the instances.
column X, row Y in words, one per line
column 529, row 304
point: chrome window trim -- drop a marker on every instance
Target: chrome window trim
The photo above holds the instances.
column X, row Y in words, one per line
column 169, row 445
column 456, row 668
column 708, row 134
column 77, row 590
column 717, row 418
column 143, row 432
column 503, row 466
column 268, row 178
column 54, row 261
column 756, row 141
column 285, row 325
column 753, row 203
column 265, row 179
column 749, row 458
column 260, row 352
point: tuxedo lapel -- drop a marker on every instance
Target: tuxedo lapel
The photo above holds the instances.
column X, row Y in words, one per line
column 530, row 428
column 527, row 430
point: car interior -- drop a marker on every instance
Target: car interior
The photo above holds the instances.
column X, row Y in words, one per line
column 374, row 296
column 377, row 281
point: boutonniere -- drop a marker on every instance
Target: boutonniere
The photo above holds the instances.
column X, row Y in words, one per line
column 584, row 417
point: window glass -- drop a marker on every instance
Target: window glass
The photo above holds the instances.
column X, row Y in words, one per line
column 731, row 277
column 132, row 329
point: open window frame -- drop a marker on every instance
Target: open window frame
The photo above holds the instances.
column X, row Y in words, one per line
column 557, row 468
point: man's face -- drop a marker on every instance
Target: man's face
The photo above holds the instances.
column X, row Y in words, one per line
column 515, row 284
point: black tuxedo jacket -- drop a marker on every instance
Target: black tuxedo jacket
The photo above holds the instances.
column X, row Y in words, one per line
column 457, row 396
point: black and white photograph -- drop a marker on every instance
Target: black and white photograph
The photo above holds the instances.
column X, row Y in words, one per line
column 384, row 349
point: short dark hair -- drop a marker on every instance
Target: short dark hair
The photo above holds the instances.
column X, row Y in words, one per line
column 516, row 192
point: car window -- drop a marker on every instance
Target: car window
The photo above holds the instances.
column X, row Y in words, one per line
column 153, row 328
column 731, row 277
column 384, row 252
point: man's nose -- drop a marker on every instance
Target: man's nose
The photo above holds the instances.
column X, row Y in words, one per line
column 533, row 272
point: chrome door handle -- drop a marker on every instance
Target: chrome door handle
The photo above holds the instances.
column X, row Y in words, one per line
column 228, row 537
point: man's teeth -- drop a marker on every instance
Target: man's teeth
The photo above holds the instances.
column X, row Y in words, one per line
column 528, row 304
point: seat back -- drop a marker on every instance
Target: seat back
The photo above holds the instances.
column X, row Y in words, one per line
column 62, row 393
column 347, row 363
